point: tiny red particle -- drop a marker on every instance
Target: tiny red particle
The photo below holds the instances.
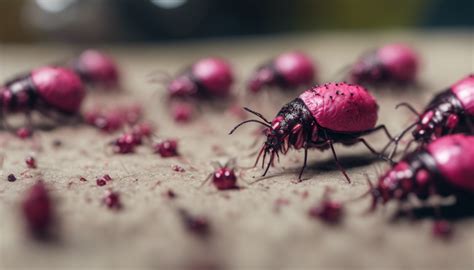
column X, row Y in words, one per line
column 37, row 209
column 177, row 168
column 31, row 162
column 442, row 229
column 328, row 211
column 196, row 224
column 82, row 179
column 170, row 194
column 24, row 133
column 112, row 200
column 11, row 177
column 182, row 112
column 107, row 177
column 101, row 182
column 167, row 148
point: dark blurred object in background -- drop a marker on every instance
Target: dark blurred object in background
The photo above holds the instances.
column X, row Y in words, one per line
column 157, row 20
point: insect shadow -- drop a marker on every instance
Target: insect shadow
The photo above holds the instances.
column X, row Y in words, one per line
column 349, row 162
column 461, row 209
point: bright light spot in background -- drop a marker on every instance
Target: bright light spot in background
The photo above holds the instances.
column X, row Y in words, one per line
column 168, row 4
column 54, row 6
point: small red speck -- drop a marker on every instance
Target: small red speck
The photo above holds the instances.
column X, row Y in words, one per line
column 279, row 203
column 37, row 209
column 182, row 112
column 107, row 177
column 442, row 229
column 24, row 133
column 30, row 162
column 195, row 224
column 167, row 148
column 305, row 194
column 112, row 200
column 82, row 179
column 11, row 178
column 328, row 211
column 101, row 182
column 170, row 194
column 177, row 168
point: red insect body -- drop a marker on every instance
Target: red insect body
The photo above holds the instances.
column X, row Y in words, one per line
column 44, row 89
column 208, row 77
column 444, row 166
column 167, row 148
column 96, row 68
column 224, row 178
column 324, row 115
column 396, row 63
column 38, row 209
column 112, row 200
column 125, row 144
column 31, row 162
column 288, row 70
column 450, row 111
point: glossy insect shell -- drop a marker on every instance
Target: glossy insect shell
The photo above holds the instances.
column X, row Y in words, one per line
column 454, row 156
column 295, row 67
column 342, row 107
column 400, row 60
column 214, row 74
column 99, row 68
column 59, row 87
column 464, row 91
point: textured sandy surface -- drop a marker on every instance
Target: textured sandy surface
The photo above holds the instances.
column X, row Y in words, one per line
column 247, row 232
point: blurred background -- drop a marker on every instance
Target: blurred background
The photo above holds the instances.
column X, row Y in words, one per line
column 100, row 21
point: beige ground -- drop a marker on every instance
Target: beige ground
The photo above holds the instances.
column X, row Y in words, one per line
column 247, row 232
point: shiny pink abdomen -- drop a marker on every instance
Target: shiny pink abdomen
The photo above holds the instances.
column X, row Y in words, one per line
column 401, row 61
column 464, row 91
column 99, row 68
column 454, row 156
column 214, row 74
column 296, row 68
column 59, row 87
column 342, row 107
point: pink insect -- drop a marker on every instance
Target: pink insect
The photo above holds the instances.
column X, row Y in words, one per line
column 443, row 167
column 288, row 70
column 52, row 91
column 392, row 63
column 319, row 118
column 208, row 77
column 223, row 177
column 97, row 69
column 450, row 111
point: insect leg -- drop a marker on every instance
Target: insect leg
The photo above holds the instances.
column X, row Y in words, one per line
column 379, row 155
column 304, row 162
column 330, row 142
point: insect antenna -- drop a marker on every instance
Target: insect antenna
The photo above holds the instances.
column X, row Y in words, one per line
column 257, row 114
column 249, row 121
column 409, row 107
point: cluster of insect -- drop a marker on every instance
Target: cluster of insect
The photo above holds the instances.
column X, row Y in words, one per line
column 320, row 117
